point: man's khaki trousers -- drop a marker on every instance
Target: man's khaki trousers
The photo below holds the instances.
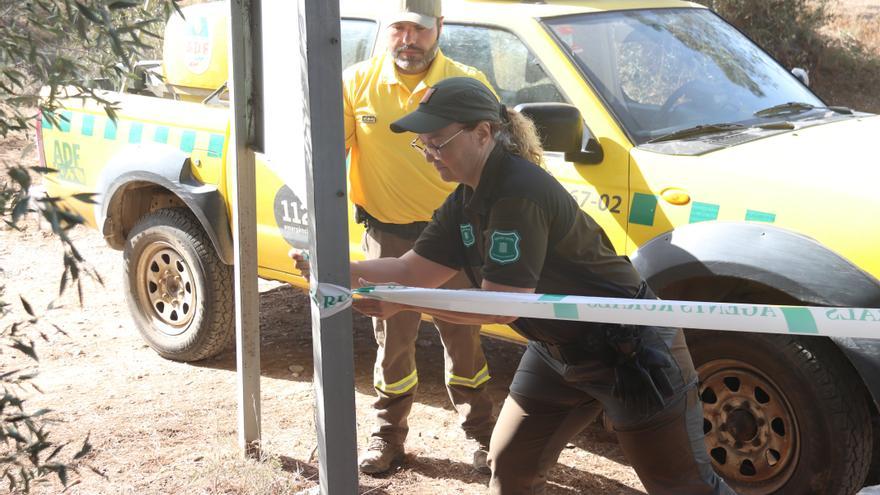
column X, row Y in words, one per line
column 395, row 377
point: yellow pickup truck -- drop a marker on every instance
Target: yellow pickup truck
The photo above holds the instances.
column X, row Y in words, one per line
column 715, row 169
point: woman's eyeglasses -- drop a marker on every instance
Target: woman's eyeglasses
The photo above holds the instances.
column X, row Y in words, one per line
column 428, row 149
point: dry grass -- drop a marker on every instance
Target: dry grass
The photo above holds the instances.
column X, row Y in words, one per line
column 849, row 69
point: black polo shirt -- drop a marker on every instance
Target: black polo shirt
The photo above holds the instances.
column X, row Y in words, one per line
column 521, row 228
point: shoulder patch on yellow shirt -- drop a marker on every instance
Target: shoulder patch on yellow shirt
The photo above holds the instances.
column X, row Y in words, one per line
column 368, row 119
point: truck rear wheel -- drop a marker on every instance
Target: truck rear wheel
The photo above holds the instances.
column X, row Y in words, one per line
column 782, row 414
column 179, row 292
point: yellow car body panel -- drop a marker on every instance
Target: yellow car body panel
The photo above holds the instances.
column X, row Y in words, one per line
column 85, row 139
column 799, row 181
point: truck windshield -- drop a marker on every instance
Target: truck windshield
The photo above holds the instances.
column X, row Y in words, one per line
column 664, row 70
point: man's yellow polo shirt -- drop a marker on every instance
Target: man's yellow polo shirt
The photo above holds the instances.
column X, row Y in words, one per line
column 389, row 178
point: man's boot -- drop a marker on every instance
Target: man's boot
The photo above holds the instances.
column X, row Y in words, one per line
column 481, row 464
column 379, row 456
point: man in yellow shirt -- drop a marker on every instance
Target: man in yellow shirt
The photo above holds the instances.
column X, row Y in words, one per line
column 396, row 191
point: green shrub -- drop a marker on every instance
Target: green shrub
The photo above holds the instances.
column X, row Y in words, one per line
column 843, row 70
column 788, row 29
column 57, row 45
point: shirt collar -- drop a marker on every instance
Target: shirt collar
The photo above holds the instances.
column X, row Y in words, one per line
column 478, row 201
column 436, row 72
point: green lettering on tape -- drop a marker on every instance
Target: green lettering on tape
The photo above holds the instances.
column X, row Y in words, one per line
column 800, row 320
column 566, row 311
column 551, row 297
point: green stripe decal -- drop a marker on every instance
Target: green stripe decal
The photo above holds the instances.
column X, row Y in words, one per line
column 643, row 208
column 161, row 135
column 569, row 311
column 188, row 141
column 760, row 216
column 215, row 146
column 800, row 320
column 88, row 127
column 64, row 121
column 110, row 129
column 551, row 297
column 135, row 133
column 703, row 212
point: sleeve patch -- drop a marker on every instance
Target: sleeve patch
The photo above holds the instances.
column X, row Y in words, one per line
column 504, row 247
column 467, row 234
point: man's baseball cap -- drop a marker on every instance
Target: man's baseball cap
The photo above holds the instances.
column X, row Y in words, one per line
column 457, row 99
column 423, row 12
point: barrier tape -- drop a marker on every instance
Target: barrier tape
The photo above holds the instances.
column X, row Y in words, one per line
column 738, row 317
column 329, row 299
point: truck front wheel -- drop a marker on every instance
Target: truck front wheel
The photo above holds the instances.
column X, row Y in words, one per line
column 781, row 414
column 179, row 292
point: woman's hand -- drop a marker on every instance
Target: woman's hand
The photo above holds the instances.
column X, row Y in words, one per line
column 374, row 307
column 301, row 261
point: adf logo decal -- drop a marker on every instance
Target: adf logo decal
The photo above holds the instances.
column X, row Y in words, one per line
column 505, row 247
column 197, row 45
column 467, row 234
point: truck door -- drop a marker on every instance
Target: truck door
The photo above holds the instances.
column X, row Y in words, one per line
column 519, row 76
column 282, row 216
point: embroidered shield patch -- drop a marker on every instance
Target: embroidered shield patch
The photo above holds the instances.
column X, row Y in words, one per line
column 467, row 234
column 504, row 247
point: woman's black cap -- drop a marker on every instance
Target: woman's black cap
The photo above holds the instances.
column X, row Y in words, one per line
column 457, row 99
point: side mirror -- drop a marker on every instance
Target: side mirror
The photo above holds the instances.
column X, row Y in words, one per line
column 802, row 75
column 562, row 129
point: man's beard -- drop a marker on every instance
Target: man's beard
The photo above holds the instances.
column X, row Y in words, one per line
column 415, row 65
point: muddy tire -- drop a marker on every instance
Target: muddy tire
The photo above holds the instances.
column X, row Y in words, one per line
column 873, row 477
column 179, row 292
column 782, row 414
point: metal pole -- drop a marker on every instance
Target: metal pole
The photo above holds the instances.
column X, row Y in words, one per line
column 321, row 65
column 244, row 226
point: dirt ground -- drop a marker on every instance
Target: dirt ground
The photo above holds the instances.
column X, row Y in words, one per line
column 161, row 427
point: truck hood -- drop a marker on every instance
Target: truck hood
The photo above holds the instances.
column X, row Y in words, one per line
column 822, row 181
column 839, row 162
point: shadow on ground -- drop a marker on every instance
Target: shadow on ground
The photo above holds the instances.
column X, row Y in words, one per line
column 285, row 326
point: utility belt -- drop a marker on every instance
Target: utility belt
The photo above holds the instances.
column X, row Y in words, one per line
column 579, row 352
column 593, row 346
column 409, row 231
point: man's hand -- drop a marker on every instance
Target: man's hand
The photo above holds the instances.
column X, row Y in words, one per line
column 301, row 261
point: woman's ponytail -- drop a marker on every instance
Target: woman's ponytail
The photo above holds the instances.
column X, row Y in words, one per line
column 518, row 135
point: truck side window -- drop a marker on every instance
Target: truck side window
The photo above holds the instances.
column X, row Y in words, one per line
column 358, row 36
column 513, row 70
